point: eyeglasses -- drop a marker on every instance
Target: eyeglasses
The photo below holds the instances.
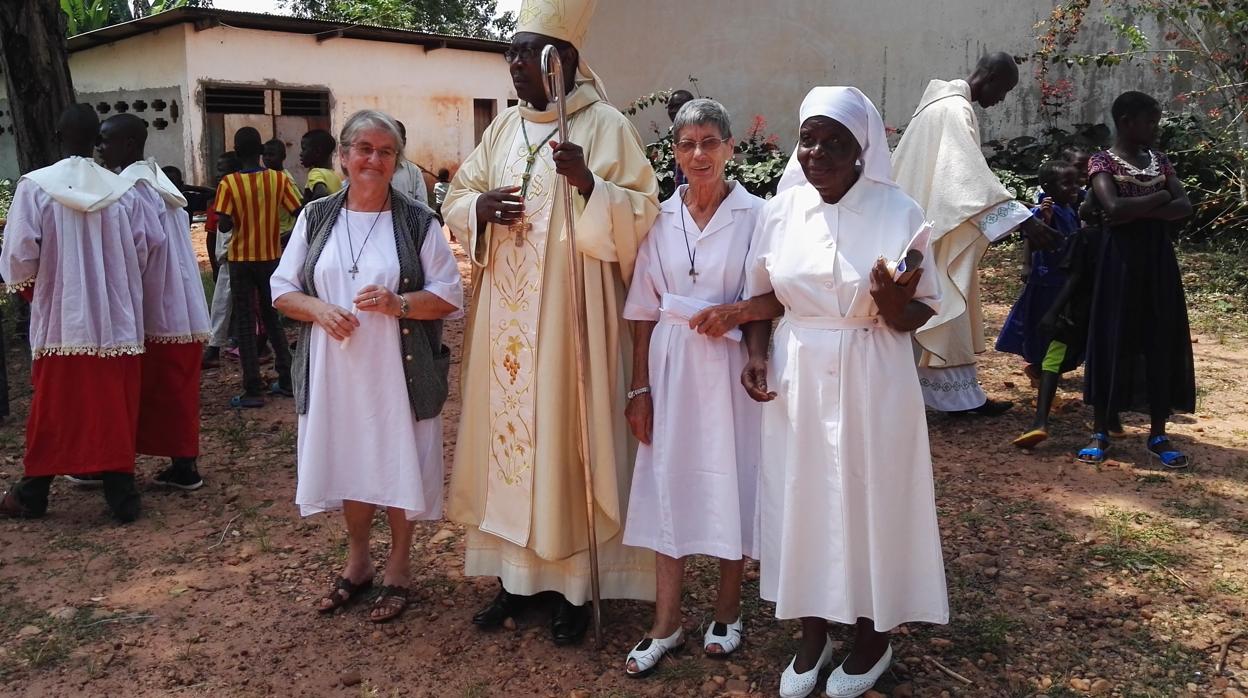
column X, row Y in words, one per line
column 686, row 147
column 367, row 151
column 524, row 53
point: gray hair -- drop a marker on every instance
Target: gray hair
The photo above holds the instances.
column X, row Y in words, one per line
column 365, row 119
column 703, row 111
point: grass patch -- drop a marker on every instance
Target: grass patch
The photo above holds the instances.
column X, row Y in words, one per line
column 479, row 689
column 1216, row 282
column 688, row 670
column 1204, row 509
column 1228, row 586
column 53, row 645
column 1136, row 541
column 235, row 431
column 1001, row 272
column 984, row 633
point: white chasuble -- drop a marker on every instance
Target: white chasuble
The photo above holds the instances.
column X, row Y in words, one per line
column 940, row 164
column 517, row 482
column 519, row 256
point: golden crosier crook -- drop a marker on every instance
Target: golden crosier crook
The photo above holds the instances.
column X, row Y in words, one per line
column 552, row 78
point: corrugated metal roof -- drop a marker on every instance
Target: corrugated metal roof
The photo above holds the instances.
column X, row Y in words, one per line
column 206, row 18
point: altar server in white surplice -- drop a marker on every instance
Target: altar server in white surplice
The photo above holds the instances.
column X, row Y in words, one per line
column 694, row 479
column 847, row 525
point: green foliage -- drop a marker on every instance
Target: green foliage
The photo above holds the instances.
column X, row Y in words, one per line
column 1203, row 48
column 477, row 18
column 89, row 15
column 1207, row 164
column 1017, row 160
column 757, row 163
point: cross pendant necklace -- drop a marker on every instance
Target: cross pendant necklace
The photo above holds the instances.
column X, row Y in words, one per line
column 692, row 251
column 520, row 228
column 355, row 258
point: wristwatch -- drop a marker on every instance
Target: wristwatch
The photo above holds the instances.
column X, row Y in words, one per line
column 403, row 306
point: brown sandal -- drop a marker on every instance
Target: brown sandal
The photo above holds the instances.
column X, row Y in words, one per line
column 338, row 598
column 389, row 604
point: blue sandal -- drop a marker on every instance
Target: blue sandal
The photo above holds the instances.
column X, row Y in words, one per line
column 1170, row 459
column 1094, row 455
column 246, row 401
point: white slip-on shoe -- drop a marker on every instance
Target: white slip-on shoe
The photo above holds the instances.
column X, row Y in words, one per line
column 729, row 640
column 795, row 685
column 842, row 685
column 649, row 651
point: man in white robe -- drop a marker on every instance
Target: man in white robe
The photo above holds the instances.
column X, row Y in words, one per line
column 517, row 483
column 939, row 163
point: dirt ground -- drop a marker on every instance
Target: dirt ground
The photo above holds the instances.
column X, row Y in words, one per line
column 1064, row 579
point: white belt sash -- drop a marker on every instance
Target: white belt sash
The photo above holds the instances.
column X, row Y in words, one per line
column 832, row 323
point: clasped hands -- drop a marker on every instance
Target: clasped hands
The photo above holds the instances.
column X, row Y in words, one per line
column 340, row 323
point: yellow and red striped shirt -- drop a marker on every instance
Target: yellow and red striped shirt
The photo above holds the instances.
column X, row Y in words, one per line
column 253, row 200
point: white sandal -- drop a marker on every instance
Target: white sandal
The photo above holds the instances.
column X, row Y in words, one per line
column 795, row 685
column 843, row 685
column 649, row 651
column 728, row 640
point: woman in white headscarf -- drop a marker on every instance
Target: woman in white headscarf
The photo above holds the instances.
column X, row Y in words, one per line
column 847, row 513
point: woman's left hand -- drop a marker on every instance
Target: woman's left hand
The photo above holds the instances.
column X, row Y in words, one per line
column 377, row 299
column 890, row 297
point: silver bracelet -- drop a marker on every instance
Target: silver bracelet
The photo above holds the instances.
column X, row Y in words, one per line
column 640, row 391
column 403, row 306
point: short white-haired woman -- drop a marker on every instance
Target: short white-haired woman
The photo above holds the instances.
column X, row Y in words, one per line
column 847, row 526
column 694, row 481
column 371, row 276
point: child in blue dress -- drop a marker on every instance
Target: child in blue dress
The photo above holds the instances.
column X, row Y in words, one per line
column 1058, row 208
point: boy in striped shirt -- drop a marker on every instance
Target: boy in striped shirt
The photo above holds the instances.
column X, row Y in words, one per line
column 248, row 204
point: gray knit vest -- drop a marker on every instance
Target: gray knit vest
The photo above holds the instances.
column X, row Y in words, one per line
column 426, row 360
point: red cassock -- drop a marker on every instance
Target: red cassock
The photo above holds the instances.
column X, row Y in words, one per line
column 169, row 403
column 83, row 415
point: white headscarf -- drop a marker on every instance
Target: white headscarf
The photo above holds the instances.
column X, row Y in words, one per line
column 851, row 108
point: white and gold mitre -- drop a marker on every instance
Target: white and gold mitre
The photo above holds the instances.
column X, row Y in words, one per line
column 561, row 19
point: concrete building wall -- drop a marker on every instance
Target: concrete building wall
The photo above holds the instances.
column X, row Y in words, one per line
column 760, row 58
column 145, row 75
column 431, row 92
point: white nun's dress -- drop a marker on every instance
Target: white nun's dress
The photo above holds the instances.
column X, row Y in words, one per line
column 847, row 504
column 694, row 486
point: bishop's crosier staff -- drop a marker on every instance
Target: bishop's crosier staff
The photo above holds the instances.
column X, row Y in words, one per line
column 552, row 74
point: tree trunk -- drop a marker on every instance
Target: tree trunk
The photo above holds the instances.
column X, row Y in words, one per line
column 35, row 66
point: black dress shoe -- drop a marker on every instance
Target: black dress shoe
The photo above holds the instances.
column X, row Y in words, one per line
column 990, row 408
column 122, row 497
column 504, row 606
column 569, row 623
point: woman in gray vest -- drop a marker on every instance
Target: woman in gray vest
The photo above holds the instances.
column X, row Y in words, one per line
column 371, row 277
